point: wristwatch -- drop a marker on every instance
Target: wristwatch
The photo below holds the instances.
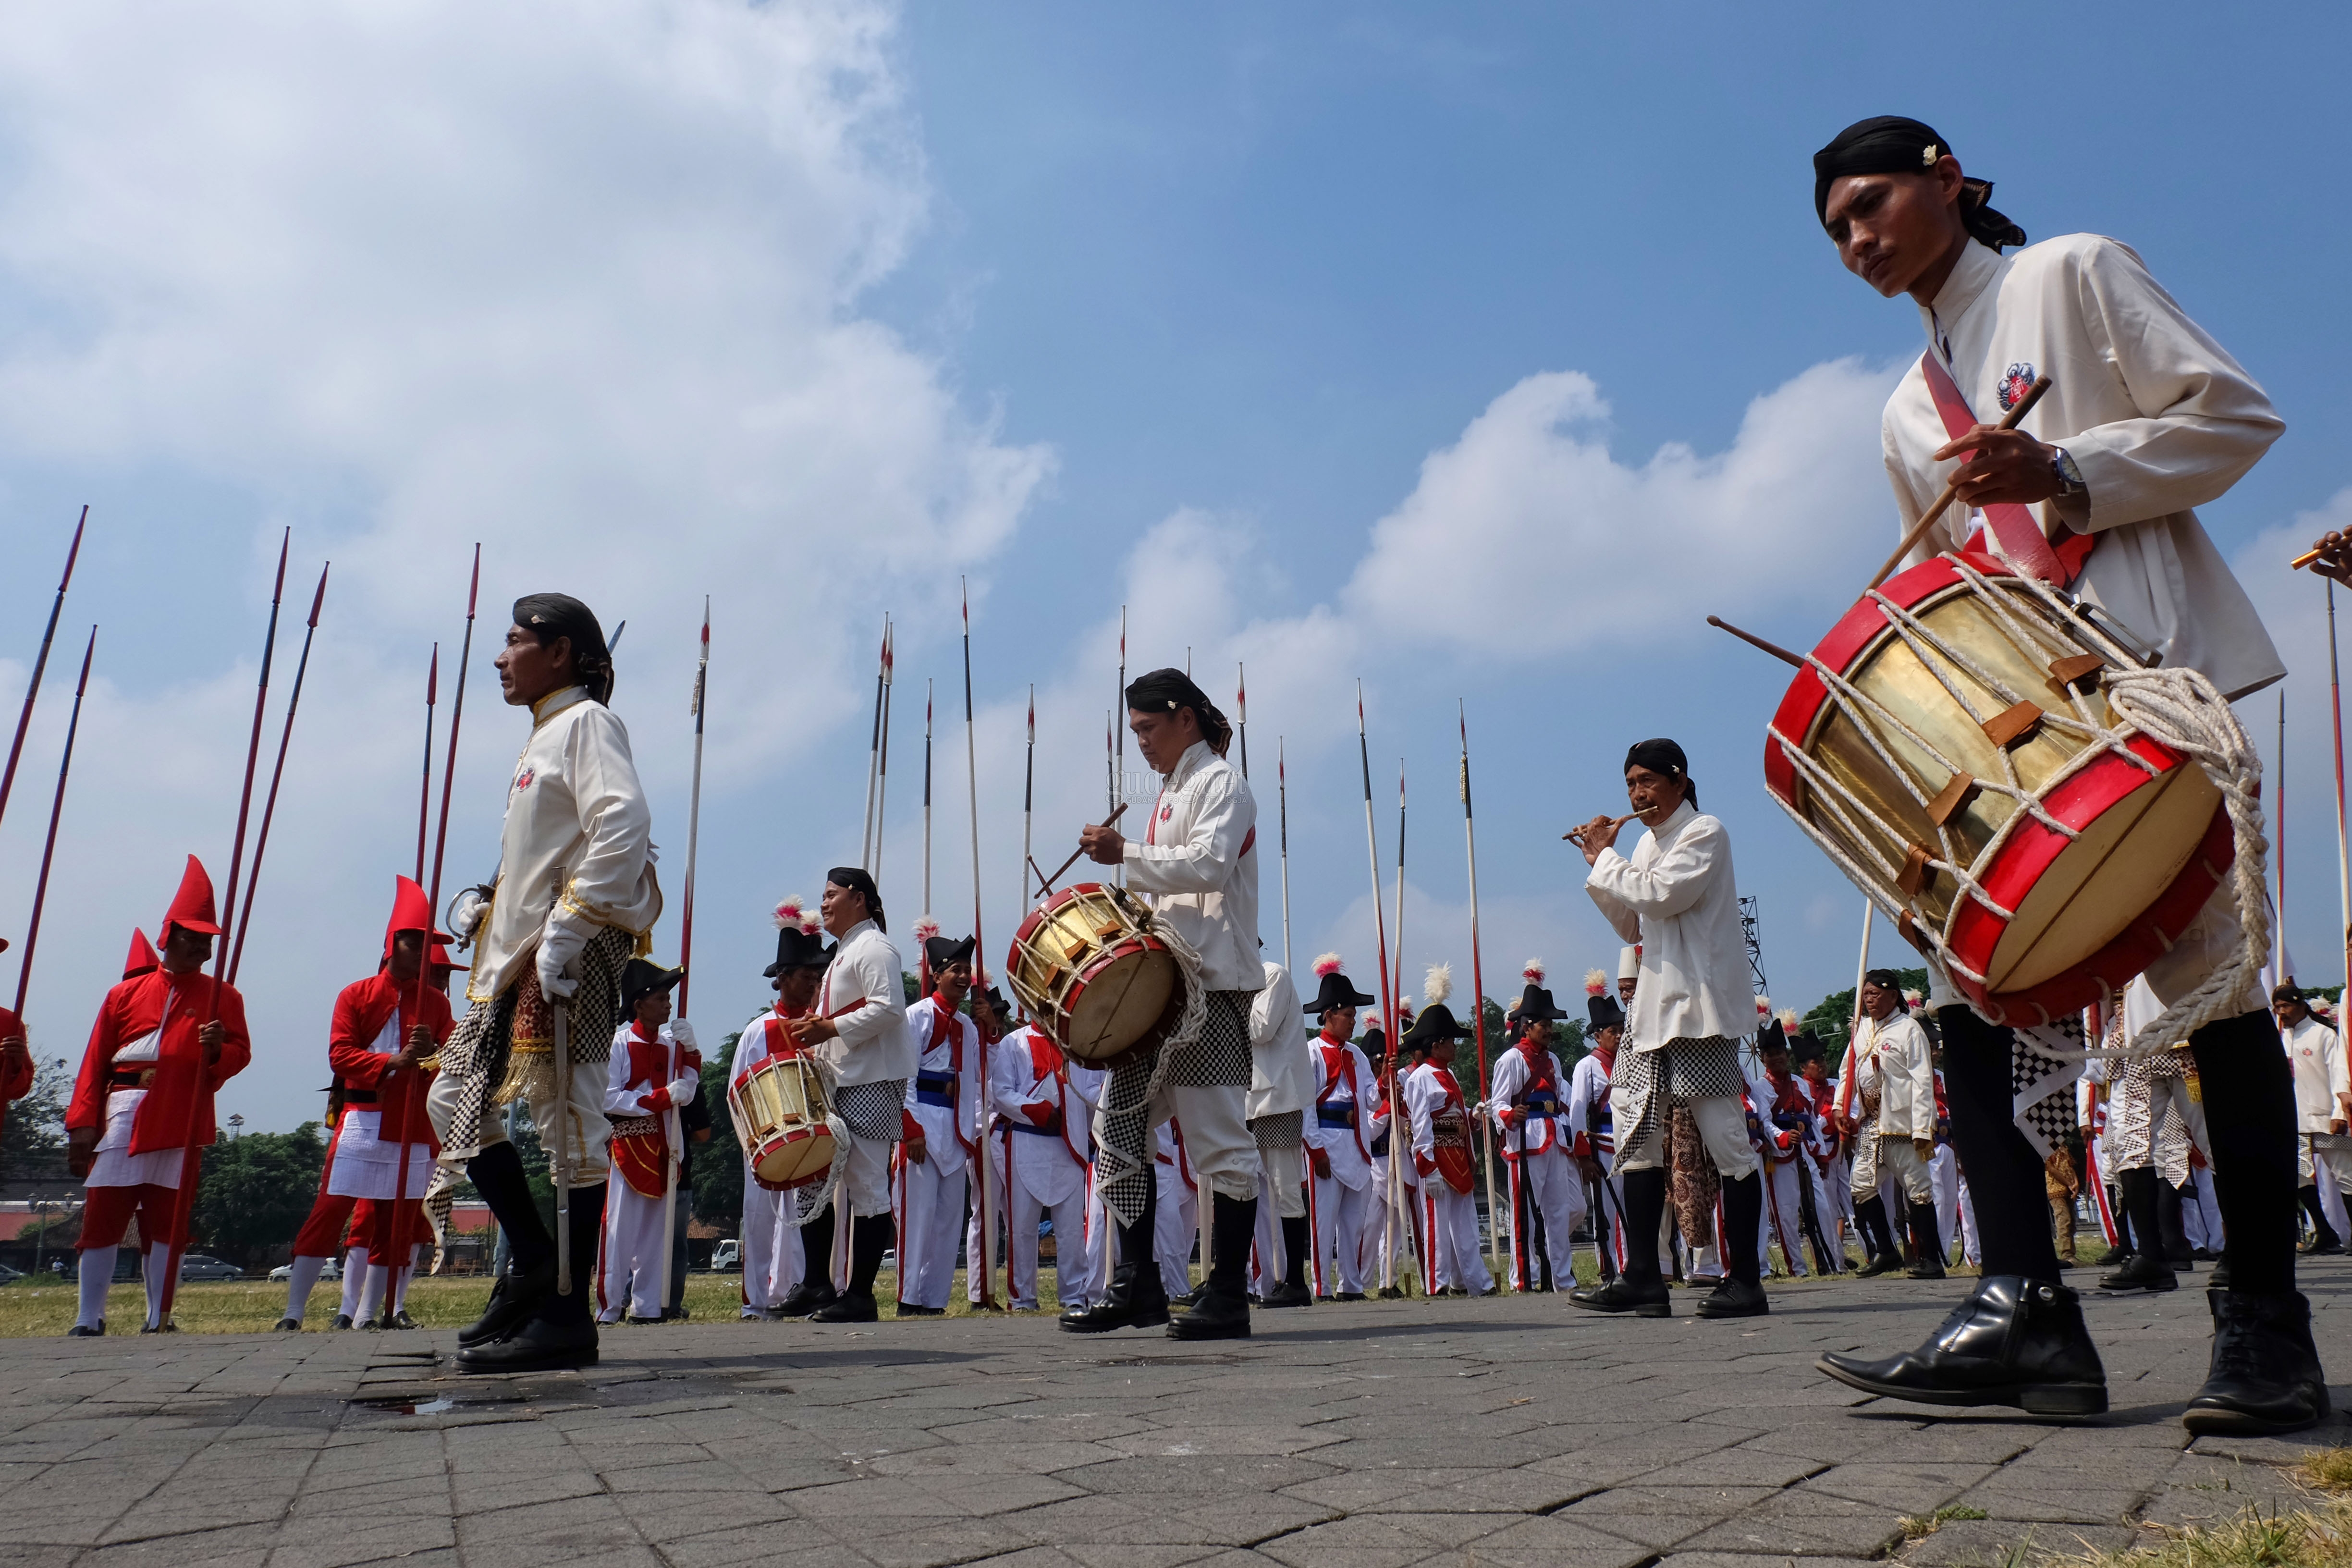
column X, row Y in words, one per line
column 2070, row 477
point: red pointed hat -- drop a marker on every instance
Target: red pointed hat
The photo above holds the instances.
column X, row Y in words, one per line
column 439, row 958
column 142, row 956
column 192, row 906
column 411, row 910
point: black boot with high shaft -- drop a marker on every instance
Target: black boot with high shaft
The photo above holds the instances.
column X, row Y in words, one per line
column 1926, row 1244
column 2147, row 1269
column 561, row 1334
column 1221, row 1309
column 2015, row 1342
column 1640, row 1287
column 815, row 1288
column 496, row 1173
column 1137, row 1298
column 1741, row 1294
column 1292, row 1291
column 870, row 1235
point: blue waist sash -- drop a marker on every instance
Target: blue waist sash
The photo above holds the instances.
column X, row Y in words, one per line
column 935, row 1088
column 1335, row 1116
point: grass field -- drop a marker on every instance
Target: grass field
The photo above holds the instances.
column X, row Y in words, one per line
column 252, row 1306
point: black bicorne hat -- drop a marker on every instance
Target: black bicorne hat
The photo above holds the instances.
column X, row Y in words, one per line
column 944, row 953
column 797, row 949
column 1804, row 1046
column 1338, row 991
column 1436, row 1023
column 1535, row 1002
column 641, row 977
column 1603, row 1011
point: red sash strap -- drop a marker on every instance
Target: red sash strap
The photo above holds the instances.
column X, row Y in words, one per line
column 2016, row 527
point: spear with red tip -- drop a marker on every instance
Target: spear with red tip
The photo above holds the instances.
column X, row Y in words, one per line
column 49, row 845
column 278, row 773
column 425, row 788
column 449, row 753
column 1477, row 974
column 40, row 664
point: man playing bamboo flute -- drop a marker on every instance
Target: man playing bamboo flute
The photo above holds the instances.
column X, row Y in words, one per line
column 1339, row 1136
column 1196, row 867
column 574, row 899
column 1679, row 899
column 2148, row 418
column 859, row 1032
column 142, row 1105
column 383, row 1029
column 1528, row 1100
column 655, row 1070
column 935, row 1163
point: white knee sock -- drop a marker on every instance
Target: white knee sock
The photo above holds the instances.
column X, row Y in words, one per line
column 415, row 1262
column 301, row 1275
column 158, row 1268
column 355, row 1267
column 372, row 1295
column 97, row 1274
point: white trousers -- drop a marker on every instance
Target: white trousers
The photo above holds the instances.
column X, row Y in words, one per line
column 1971, row 1238
column 1944, row 1176
column 929, row 1218
column 1722, row 1127
column 590, row 1132
column 771, row 1248
column 1335, row 1215
column 1281, row 1194
column 997, row 1229
column 629, row 1274
column 1450, row 1241
column 1175, row 1227
column 1547, row 1184
column 1784, row 1213
column 1217, row 1139
column 1069, row 1248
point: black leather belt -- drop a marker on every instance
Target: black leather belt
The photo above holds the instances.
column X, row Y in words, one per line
column 131, row 1077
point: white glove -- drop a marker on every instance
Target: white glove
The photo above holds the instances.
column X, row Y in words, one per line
column 683, row 1033
column 559, row 946
column 465, row 911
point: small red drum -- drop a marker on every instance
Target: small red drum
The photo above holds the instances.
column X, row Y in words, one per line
column 1450, row 1146
column 779, row 1116
column 1950, row 744
column 1093, row 975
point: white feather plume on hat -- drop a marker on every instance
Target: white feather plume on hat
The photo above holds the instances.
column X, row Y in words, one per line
column 1534, row 972
column 1327, row 964
column 1596, row 980
column 1438, row 984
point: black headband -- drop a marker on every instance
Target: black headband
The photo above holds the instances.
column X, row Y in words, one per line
column 1166, row 690
column 1892, row 144
column 856, row 879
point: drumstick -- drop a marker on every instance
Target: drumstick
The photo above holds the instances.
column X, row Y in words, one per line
column 1936, row 509
column 1775, row 649
column 1117, row 813
column 841, row 1012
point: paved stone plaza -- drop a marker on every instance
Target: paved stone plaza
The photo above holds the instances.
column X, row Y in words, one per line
column 1510, row 1433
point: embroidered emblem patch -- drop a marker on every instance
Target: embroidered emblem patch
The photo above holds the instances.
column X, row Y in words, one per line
column 2015, row 382
column 1167, row 812
column 522, row 780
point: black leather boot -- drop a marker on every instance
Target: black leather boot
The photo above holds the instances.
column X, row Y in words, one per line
column 496, row 1173
column 2147, row 1269
column 1927, row 1247
column 2265, row 1376
column 815, row 1288
column 2015, row 1342
column 1741, row 1294
column 1222, row 1309
column 1640, row 1287
column 870, row 1235
column 1870, row 1216
column 1293, row 1291
column 2324, row 1238
column 561, row 1334
column 2174, row 1235
column 1137, row 1298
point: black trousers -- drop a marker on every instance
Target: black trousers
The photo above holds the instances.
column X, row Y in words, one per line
column 2249, row 1097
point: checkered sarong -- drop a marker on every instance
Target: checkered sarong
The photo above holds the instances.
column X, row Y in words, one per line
column 870, row 1111
column 1219, row 1057
column 1644, row 1083
column 1282, row 1129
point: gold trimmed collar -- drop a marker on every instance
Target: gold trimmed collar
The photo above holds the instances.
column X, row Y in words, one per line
column 555, row 702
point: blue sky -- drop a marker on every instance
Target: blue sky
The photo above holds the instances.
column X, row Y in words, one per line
column 1480, row 353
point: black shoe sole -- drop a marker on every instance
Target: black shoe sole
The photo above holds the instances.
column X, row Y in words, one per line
column 1188, row 1328
column 2034, row 1398
column 2221, row 1421
column 2151, row 1286
column 1761, row 1310
column 552, row 1361
column 1149, row 1318
column 1645, row 1310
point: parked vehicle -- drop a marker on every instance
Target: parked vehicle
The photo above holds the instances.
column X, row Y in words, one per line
column 285, row 1271
column 196, row 1266
column 727, row 1258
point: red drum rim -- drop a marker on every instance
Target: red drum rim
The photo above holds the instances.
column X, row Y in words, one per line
column 1045, row 911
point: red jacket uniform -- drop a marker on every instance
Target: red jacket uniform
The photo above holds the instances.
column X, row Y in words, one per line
column 180, row 1003
column 362, row 1011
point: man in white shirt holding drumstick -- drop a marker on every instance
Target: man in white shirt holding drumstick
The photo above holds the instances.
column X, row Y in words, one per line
column 2146, row 419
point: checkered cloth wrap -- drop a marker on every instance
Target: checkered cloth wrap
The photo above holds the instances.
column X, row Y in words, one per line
column 1644, row 1083
column 1283, row 1130
column 478, row 1050
column 2136, row 1134
column 2038, row 1070
column 871, row 1109
column 1220, row 1058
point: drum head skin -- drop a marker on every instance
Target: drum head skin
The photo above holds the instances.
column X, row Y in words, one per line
column 2151, row 837
column 1095, row 978
column 779, row 1109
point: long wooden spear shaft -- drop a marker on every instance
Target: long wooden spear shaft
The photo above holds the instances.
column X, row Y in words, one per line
column 979, row 946
column 1118, row 758
column 1397, row 1149
column 1028, row 795
column 882, row 782
column 2343, row 862
column 40, row 664
column 693, row 836
column 449, row 757
column 425, row 788
column 1241, row 712
column 278, row 772
column 1282, row 807
column 192, row 1160
column 1398, row 957
column 874, row 749
column 927, row 800
column 2278, row 852
column 1477, row 977
column 49, row 845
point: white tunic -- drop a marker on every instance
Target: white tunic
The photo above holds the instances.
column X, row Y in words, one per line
column 1678, row 898
column 1050, row 1166
column 1535, row 1134
column 2316, row 1054
column 1282, row 1061
column 874, row 1045
column 2157, row 417
column 1196, row 863
column 1895, row 1058
column 1351, row 1086
column 624, row 1092
column 1588, row 1087
column 939, row 1035
column 577, row 848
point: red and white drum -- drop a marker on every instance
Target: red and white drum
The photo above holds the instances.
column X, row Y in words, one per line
column 1950, row 743
column 779, row 1110
column 1093, row 975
